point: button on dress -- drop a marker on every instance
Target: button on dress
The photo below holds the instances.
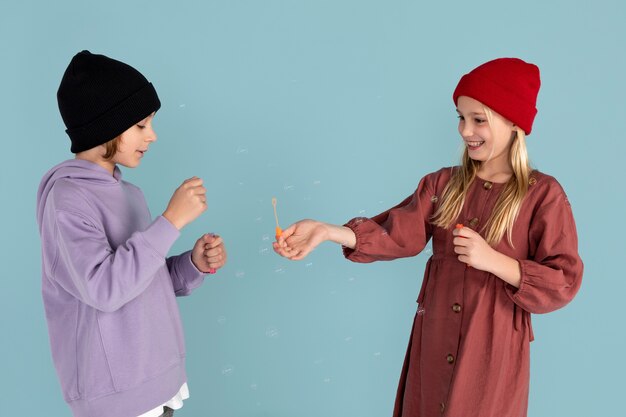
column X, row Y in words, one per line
column 469, row 350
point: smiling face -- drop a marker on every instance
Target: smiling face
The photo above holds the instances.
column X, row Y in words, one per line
column 134, row 143
column 487, row 141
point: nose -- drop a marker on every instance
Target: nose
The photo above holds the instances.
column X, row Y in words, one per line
column 151, row 135
column 465, row 129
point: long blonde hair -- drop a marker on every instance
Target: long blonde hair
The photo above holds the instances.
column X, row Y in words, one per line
column 509, row 202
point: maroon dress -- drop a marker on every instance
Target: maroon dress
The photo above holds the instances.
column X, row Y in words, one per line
column 469, row 350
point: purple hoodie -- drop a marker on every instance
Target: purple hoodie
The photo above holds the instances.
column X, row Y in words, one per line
column 109, row 292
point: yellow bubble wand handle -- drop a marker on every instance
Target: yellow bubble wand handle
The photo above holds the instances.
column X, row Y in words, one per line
column 279, row 231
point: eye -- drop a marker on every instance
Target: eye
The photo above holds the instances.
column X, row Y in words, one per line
column 480, row 121
column 460, row 117
column 141, row 126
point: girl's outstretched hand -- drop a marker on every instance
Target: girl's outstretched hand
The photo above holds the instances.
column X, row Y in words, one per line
column 209, row 254
column 299, row 239
column 473, row 249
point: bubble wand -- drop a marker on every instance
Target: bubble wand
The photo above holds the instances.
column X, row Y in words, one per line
column 279, row 231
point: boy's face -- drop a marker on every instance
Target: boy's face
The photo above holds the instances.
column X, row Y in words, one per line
column 134, row 143
column 485, row 141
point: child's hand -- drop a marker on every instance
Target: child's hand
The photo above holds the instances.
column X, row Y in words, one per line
column 473, row 249
column 299, row 239
column 209, row 254
column 187, row 203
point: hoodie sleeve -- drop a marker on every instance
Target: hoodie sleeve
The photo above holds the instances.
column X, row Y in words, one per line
column 552, row 275
column 91, row 270
column 185, row 276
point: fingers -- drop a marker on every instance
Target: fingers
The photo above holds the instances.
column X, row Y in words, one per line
column 465, row 232
column 280, row 249
column 461, row 232
column 194, row 186
column 214, row 253
column 460, row 250
column 286, row 233
column 461, row 241
column 211, row 252
column 193, row 181
column 287, row 252
column 300, row 255
column 212, row 241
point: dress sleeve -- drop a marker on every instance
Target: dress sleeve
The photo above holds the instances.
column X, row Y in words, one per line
column 399, row 232
column 552, row 275
column 88, row 267
column 185, row 276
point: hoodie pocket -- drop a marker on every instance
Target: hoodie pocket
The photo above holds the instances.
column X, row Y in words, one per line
column 142, row 339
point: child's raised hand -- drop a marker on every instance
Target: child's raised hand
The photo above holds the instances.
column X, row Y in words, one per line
column 473, row 249
column 209, row 253
column 299, row 239
column 187, row 203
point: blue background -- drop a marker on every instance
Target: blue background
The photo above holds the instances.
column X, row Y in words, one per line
column 337, row 108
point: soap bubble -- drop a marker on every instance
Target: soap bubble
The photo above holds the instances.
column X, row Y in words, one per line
column 227, row 370
column 271, row 332
column 221, row 320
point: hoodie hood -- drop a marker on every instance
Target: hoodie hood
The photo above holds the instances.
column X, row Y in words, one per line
column 77, row 170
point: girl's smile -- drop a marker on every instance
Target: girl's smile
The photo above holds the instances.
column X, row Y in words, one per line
column 474, row 145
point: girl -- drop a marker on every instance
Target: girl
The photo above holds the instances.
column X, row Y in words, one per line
column 504, row 246
column 108, row 288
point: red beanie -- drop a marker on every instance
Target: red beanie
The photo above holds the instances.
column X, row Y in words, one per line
column 508, row 86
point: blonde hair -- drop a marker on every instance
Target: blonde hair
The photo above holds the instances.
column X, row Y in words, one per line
column 510, row 200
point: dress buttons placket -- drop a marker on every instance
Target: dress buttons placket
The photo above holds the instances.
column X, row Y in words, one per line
column 456, row 307
column 487, row 185
column 450, row 359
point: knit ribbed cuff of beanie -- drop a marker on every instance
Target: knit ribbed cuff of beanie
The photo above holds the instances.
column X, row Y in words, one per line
column 115, row 121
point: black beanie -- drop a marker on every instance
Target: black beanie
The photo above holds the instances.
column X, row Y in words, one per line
column 99, row 98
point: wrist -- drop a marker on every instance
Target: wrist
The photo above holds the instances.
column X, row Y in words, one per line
column 341, row 234
column 506, row 268
column 168, row 216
